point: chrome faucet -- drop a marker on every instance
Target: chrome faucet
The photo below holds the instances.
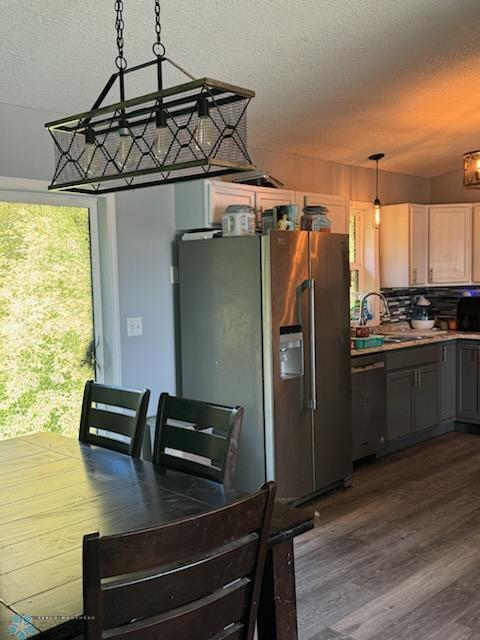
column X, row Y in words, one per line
column 386, row 315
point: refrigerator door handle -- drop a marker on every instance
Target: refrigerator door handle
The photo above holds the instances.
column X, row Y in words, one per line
column 310, row 285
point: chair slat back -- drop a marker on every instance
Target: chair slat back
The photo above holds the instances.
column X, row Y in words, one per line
column 192, row 579
column 206, row 432
column 115, row 430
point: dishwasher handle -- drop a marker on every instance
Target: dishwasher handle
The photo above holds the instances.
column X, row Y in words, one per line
column 367, row 367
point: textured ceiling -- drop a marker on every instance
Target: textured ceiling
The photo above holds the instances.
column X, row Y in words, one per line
column 335, row 79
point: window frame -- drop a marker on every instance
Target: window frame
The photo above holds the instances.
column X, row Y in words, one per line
column 358, row 265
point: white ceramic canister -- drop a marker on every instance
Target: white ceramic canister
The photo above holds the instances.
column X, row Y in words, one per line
column 239, row 220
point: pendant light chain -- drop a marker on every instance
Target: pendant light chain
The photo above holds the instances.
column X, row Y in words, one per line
column 120, row 60
column 158, row 48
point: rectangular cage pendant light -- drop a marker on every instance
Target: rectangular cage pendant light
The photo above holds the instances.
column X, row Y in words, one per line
column 194, row 130
column 471, row 169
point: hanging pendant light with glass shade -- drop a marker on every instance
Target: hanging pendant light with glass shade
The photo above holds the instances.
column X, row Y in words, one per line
column 193, row 130
column 377, row 205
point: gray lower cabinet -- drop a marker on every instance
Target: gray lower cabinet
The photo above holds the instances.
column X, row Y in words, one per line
column 447, row 402
column 413, row 382
column 425, row 397
column 399, row 403
column 468, row 381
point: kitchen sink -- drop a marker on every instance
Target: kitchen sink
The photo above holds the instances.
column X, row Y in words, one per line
column 399, row 339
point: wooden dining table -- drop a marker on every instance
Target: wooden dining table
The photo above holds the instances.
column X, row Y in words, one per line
column 54, row 490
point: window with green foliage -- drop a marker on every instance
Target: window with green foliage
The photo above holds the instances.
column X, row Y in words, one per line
column 356, row 261
column 46, row 317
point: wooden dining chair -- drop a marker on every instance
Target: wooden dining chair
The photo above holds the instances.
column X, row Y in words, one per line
column 121, row 429
column 191, row 579
column 196, row 437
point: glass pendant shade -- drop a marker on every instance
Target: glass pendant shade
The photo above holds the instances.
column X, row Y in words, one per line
column 377, row 206
column 471, row 169
column 377, row 213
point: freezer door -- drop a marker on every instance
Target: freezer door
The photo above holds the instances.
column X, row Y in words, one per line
column 290, row 330
column 221, row 337
column 332, row 436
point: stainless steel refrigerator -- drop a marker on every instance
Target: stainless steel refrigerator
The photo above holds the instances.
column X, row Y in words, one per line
column 264, row 323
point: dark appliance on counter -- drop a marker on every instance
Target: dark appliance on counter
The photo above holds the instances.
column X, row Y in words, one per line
column 468, row 314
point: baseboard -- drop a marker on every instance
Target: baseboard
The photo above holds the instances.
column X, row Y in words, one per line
column 415, row 438
column 465, row 427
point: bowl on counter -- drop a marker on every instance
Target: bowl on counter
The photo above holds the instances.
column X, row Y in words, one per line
column 423, row 325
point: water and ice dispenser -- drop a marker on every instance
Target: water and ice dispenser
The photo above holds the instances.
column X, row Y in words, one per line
column 291, row 352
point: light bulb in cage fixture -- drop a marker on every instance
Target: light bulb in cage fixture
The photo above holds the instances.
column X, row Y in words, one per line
column 124, row 157
column 92, row 154
column 163, row 136
column 205, row 132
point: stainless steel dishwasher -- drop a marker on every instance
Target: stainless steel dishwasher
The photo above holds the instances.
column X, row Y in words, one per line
column 369, row 407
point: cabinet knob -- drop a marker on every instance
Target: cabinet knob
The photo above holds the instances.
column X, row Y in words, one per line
column 430, row 274
column 414, row 276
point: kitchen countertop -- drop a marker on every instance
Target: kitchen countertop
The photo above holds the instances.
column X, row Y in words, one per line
column 437, row 336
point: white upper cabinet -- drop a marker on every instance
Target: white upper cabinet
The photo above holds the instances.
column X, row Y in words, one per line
column 338, row 208
column 267, row 198
column 403, row 246
column 201, row 204
column 418, row 244
column 476, row 244
column 450, row 244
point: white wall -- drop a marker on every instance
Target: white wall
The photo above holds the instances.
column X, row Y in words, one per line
column 354, row 183
column 449, row 188
column 145, row 230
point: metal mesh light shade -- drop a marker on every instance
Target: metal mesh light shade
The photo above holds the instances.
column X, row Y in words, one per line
column 115, row 162
column 471, row 169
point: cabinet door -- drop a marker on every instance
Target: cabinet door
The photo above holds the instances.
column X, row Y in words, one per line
column 221, row 194
column 395, row 267
column 448, row 382
column 467, row 381
column 338, row 209
column 476, row 243
column 426, row 383
column 418, row 244
column 450, row 238
column 268, row 198
column 399, row 403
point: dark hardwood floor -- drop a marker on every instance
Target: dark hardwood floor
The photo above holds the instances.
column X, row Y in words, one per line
column 397, row 556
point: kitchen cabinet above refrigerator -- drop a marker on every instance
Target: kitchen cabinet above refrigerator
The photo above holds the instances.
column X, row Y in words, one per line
column 200, row 204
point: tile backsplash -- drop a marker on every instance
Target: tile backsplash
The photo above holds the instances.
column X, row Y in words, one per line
column 444, row 300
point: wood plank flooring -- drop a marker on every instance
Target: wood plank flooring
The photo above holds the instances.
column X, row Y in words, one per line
column 397, row 556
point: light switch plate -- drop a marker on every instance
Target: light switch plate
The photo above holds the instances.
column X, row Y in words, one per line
column 134, row 327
